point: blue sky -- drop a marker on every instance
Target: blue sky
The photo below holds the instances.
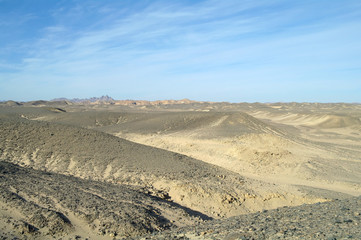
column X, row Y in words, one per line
column 232, row 50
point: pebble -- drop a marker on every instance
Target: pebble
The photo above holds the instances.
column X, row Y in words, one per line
column 330, row 220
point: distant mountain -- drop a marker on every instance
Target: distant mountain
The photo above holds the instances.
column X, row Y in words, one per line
column 109, row 100
column 105, row 98
column 10, row 103
column 157, row 102
column 94, row 100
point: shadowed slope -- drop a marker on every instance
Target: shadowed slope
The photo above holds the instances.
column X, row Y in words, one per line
column 99, row 156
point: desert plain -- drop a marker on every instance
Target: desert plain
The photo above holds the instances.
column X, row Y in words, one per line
column 120, row 169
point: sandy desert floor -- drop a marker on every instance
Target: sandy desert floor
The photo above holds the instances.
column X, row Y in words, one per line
column 175, row 170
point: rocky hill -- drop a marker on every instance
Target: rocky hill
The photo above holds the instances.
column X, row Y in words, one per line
column 38, row 204
column 339, row 219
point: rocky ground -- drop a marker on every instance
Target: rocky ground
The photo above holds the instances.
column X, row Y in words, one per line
column 91, row 154
column 179, row 169
column 338, row 219
column 38, row 204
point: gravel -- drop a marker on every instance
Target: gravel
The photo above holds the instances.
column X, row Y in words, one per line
column 338, row 219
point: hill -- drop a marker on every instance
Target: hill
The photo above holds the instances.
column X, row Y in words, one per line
column 95, row 170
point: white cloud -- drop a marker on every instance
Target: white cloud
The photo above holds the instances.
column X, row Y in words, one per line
column 204, row 41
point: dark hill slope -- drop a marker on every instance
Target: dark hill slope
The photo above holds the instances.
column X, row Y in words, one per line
column 35, row 203
column 94, row 155
column 338, row 219
column 87, row 153
column 208, row 124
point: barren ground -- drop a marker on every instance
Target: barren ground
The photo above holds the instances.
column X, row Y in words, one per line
column 117, row 171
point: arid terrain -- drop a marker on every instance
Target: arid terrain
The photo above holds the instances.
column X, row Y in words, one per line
column 105, row 169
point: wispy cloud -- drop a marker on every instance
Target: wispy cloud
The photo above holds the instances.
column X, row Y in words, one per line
column 165, row 44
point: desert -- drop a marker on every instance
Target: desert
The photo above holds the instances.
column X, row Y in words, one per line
column 101, row 168
column 199, row 119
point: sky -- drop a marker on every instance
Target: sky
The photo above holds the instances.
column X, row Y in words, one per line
column 211, row 50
